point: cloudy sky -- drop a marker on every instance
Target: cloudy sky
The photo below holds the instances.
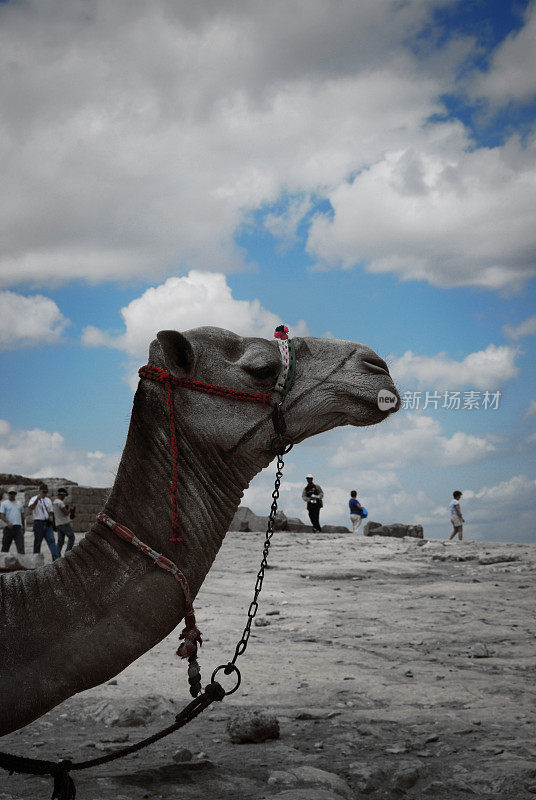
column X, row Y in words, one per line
column 364, row 170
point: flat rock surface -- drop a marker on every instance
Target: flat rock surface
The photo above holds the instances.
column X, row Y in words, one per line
column 391, row 673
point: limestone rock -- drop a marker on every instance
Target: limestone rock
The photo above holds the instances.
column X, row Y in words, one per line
column 320, row 777
column 396, row 530
column 452, row 557
column 280, row 521
column 282, row 778
column 335, row 529
column 246, row 521
column 479, row 650
column 182, row 755
column 252, row 726
column 497, row 559
column 299, row 527
column 309, row 793
column 11, row 562
column 368, row 777
column 315, row 713
column 404, row 777
column 129, row 711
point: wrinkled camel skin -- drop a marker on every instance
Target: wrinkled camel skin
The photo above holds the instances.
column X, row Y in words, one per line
column 78, row 622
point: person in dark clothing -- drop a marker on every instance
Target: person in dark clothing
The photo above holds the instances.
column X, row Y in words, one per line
column 313, row 495
column 43, row 513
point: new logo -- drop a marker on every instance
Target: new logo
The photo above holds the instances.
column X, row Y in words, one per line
column 386, row 400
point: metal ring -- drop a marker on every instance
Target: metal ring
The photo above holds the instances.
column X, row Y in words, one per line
column 281, row 445
column 228, row 669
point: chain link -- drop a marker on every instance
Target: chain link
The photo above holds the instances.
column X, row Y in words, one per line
column 254, row 606
column 283, row 447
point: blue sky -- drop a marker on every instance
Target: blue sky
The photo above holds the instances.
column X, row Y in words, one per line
column 368, row 176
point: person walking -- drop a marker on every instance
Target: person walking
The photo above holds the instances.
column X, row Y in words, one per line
column 456, row 516
column 12, row 513
column 42, row 509
column 356, row 511
column 313, row 495
column 63, row 520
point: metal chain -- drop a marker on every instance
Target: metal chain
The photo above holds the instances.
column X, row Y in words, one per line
column 254, row 606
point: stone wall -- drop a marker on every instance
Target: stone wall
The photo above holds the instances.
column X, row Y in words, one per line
column 87, row 499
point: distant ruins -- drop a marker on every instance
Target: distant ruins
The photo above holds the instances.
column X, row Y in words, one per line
column 89, row 501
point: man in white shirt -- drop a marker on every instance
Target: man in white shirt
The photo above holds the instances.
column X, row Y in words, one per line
column 41, row 507
column 11, row 512
column 63, row 520
column 456, row 516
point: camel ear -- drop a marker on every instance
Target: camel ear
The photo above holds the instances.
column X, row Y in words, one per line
column 177, row 350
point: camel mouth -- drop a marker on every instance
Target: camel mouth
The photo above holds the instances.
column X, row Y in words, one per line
column 381, row 413
column 378, row 406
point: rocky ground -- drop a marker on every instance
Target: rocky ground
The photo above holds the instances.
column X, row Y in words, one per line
column 395, row 668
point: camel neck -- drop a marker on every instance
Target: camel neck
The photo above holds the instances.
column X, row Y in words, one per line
column 107, row 604
column 210, row 487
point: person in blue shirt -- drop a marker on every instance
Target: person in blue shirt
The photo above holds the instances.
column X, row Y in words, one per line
column 356, row 510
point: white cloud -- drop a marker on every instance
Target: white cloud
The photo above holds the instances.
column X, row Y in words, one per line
column 122, row 159
column 511, row 76
column 196, row 299
column 485, row 369
column 284, row 225
column 409, row 508
column 531, row 409
column 410, row 439
column 440, row 213
column 38, row 453
column 29, row 321
column 501, row 512
column 525, row 328
column 508, row 498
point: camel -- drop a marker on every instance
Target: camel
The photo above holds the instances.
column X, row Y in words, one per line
column 81, row 620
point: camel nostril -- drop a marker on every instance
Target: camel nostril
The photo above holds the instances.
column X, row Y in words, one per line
column 376, row 365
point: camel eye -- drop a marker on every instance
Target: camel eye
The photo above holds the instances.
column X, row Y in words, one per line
column 261, row 364
column 261, row 372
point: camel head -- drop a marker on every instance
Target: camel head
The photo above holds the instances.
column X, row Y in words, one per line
column 336, row 383
column 218, row 444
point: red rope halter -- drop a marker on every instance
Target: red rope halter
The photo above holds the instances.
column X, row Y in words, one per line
column 161, row 376
column 190, row 634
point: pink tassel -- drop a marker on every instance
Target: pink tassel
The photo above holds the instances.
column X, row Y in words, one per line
column 192, row 638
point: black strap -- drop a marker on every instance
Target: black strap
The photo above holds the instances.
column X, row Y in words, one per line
column 64, row 787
